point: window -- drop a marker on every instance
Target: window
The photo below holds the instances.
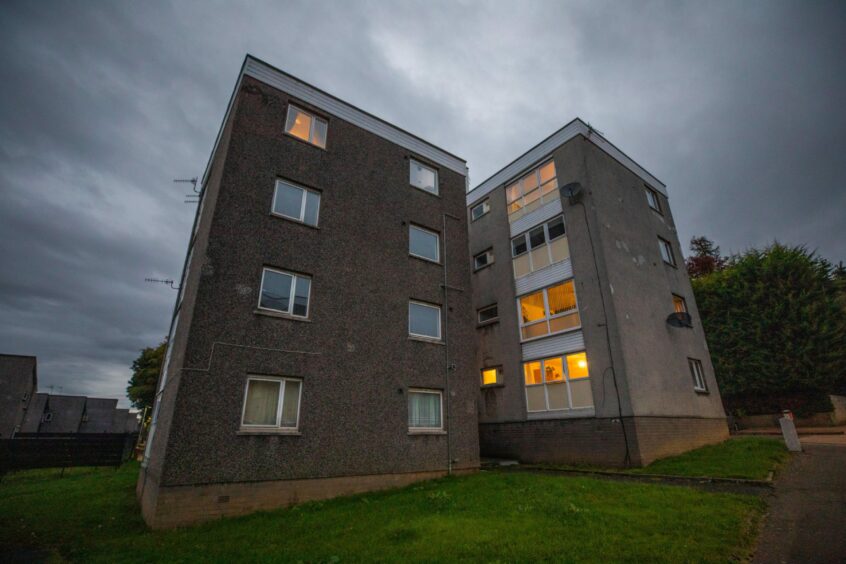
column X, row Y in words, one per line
column 294, row 202
column 284, row 292
column 652, row 199
column 271, row 402
column 666, row 251
column 479, row 210
column 423, row 177
column 424, row 410
column 424, row 320
column 679, row 305
column 558, row 383
column 536, row 188
column 424, row 244
column 491, row 376
column 488, row 313
column 308, row 127
column 697, row 374
column 539, row 247
column 483, row 259
column 548, row 311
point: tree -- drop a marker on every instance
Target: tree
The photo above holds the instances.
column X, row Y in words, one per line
column 705, row 259
column 776, row 324
column 145, row 375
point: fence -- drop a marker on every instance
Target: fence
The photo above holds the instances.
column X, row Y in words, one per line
column 56, row 450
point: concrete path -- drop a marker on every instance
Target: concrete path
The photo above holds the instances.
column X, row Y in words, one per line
column 806, row 521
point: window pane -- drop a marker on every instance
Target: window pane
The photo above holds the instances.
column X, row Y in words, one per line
column 521, row 266
column 512, row 192
column 424, row 410
column 529, row 182
column 518, row 245
column 565, row 322
column 557, row 394
column 319, row 133
column 424, row 320
column 514, row 207
column 422, row 177
column 481, row 260
column 276, row 290
column 261, row 403
column 556, row 227
column 562, row 298
column 539, row 329
column 312, row 207
column 479, row 210
column 301, row 298
column 423, row 243
column 581, row 393
column 532, row 373
column 531, row 197
column 559, row 249
column 553, row 370
column 577, row 366
column 678, row 304
column 537, row 237
column 289, row 200
column 531, row 307
column 547, row 172
column 298, row 124
column 666, row 251
column 290, row 403
column 487, row 314
column 540, row 258
column 549, row 187
column 536, row 398
column 489, row 376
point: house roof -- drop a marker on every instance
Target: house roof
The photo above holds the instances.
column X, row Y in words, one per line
column 100, row 414
column 66, row 414
column 34, row 411
column 540, row 151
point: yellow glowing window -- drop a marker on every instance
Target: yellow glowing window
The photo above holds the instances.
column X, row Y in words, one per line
column 490, row 376
column 305, row 126
column 547, row 172
column 553, row 370
column 532, row 372
column 577, row 366
column 531, row 307
column 562, row 298
column 532, row 190
column 679, row 305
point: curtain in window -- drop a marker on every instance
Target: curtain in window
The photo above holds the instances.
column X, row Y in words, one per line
column 262, row 402
column 424, row 410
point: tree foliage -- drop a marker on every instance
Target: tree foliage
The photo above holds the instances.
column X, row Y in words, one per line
column 705, row 257
column 145, row 374
column 776, row 323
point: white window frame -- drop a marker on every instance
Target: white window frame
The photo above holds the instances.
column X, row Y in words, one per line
column 546, row 243
column 565, row 369
column 697, row 372
column 280, row 403
column 663, row 245
column 489, row 256
column 291, row 297
column 314, row 119
column 652, row 200
column 547, row 317
column 440, row 394
column 437, row 235
column 418, row 335
column 497, row 369
column 411, row 163
column 303, row 199
column 486, row 321
column 522, row 197
column 486, row 207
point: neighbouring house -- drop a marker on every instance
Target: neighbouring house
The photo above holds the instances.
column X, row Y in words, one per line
column 18, row 382
column 322, row 341
column 590, row 348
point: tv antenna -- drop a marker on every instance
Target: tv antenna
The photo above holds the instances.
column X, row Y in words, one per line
column 190, row 198
column 167, row 281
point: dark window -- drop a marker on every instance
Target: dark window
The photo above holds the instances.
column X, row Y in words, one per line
column 537, row 237
column 518, row 245
column 488, row 313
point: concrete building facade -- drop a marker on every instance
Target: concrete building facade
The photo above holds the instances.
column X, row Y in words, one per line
column 322, row 340
column 590, row 348
column 18, row 383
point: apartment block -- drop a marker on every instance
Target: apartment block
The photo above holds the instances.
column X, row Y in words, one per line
column 589, row 344
column 323, row 338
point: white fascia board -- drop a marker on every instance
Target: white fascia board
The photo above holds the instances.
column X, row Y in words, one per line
column 542, row 150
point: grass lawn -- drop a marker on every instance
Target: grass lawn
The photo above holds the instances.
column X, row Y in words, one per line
column 91, row 515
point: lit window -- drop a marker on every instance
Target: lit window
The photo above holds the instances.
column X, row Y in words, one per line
column 488, row 313
column 294, row 202
column 284, row 292
column 666, row 251
column 424, row 320
column 679, row 305
column 491, row 376
column 558, row 383
column 306, row 126
column 534, row 189
column 479, row 210
column 652, row 199
column 698, row 375
column 272, row 402
column 540, row 247
column 549, row 311
column 423, row 177
column 424, row 410
column 483, row 259
column 423, row 243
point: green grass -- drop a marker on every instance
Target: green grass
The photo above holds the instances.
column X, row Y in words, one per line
column 751, row 458
column 91, row 515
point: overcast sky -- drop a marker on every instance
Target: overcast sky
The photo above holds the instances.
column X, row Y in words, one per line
column 739, row 107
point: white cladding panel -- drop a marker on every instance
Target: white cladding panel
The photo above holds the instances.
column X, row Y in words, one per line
column 551, row 346
column 531, row 219
column 544, row 277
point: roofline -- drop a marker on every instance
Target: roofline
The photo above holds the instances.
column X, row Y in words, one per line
column 544, row 148
column 277, row 78
column 19, row 355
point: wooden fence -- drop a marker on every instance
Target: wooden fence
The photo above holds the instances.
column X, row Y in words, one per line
column 57, row 450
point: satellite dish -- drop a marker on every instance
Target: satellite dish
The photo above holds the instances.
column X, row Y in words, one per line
column 573, row 191
column 680, row 319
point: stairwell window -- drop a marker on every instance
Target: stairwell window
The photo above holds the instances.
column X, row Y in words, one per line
column 549, row 311
column 284, row 292
column 271, row 403
column 666, row 251
column 423, row 177
column 425, row 408
column 492, row 376
column 488, row 314
column 540, row 247
column 306, row 126
column 558, row 383
column 296, row 203
column 479, row 210
column 483, row 259
column 698, row 375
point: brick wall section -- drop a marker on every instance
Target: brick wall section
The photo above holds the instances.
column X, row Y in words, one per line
column 659, row 437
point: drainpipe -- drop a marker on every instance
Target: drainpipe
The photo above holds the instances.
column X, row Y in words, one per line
column 447, row 366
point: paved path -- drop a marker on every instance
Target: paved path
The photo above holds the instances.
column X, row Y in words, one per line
column 807, row 514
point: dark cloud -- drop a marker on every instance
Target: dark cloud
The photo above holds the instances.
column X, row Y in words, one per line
column 736, row 106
